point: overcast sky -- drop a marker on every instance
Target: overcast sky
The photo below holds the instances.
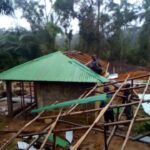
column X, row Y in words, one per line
column 10, row 22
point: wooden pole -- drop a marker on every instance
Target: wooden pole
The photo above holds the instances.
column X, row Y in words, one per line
column 30, row 87
column 26, row 109
column 50, row 131
column 106, row 70
column 75, row 147
column 123, row 89
column 9, row 98
column 105, row 137
column 32, row 143
column 82, row 127
column 134, row 117
column 114, row 128
column 44, row 131
column 119, row 81
column 22, row 95
column 24, row 127
column 93, row 110
column 83, row 97
column 35, row 93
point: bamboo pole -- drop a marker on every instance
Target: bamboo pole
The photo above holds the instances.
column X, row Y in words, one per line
column 134, row 117
column 26, row 109
column 9, row 141
column 83, row 97
column 43, row 132
column 101, row 124
column 106, row 69
column 123, row 89
column 24, row 127
column 29, row 146
column 81, row 127
column 115, row 127
column 92, row 110
column 50, row 131
column 113, row 130
column 119, row 81
column 75, row 147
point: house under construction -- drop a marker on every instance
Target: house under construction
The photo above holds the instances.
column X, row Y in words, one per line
column 62, row 83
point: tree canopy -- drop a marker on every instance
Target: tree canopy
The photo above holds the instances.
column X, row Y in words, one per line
column 107, row 28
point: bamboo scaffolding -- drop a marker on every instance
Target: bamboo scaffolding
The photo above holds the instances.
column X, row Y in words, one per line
column 123, row 89
column 26, row 109
column 34, row 119
column 119, row 81
column 114, row 128
column 32, row 143
column 134, row 117
column 94, row 129
column 113, row 131
column 68, row 112
column 98, row 118
column 72, row 108
column 123, row 122
column 92, row 110
column 50, row 130
column 24, row 127
column 81, row 127
column 36, row 139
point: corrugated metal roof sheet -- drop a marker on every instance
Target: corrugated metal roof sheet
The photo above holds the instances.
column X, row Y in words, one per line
column 83, row 57
column 52, row 67
column 91, row 99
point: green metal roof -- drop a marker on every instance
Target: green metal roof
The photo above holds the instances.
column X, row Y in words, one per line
column 59, row 141
column 91, row 99
column 52, row 67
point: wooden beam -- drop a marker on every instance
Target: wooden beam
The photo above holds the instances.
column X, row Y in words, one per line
column 75, row 147
column 92, row 110
column 73, row 107
column 9, row 98
column 123, row 122
column 120, row 81
column 50, row 130
column 113, row 131
column 44, row 131
column 23, row 128
column 134, row 117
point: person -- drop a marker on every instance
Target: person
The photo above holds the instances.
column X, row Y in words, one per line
column 127, row 99
column 108, row 115
column 108, row 94
column 126, row 93
column 95, row 65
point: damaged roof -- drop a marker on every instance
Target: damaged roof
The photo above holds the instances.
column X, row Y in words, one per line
column 83, row 58
column 53, row 67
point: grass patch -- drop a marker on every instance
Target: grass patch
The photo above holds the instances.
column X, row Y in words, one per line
column 143, row 127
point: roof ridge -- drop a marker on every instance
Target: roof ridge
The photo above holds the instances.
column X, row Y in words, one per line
column 88, row 70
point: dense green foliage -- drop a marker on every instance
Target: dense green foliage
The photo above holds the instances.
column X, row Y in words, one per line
column 112, row 30
column 142, row 127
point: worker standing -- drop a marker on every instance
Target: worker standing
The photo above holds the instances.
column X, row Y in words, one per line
column 95, row 65
column 109, row 114
column 127, row 99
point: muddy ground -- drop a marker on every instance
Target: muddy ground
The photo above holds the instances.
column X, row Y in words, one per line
column 94, row 141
